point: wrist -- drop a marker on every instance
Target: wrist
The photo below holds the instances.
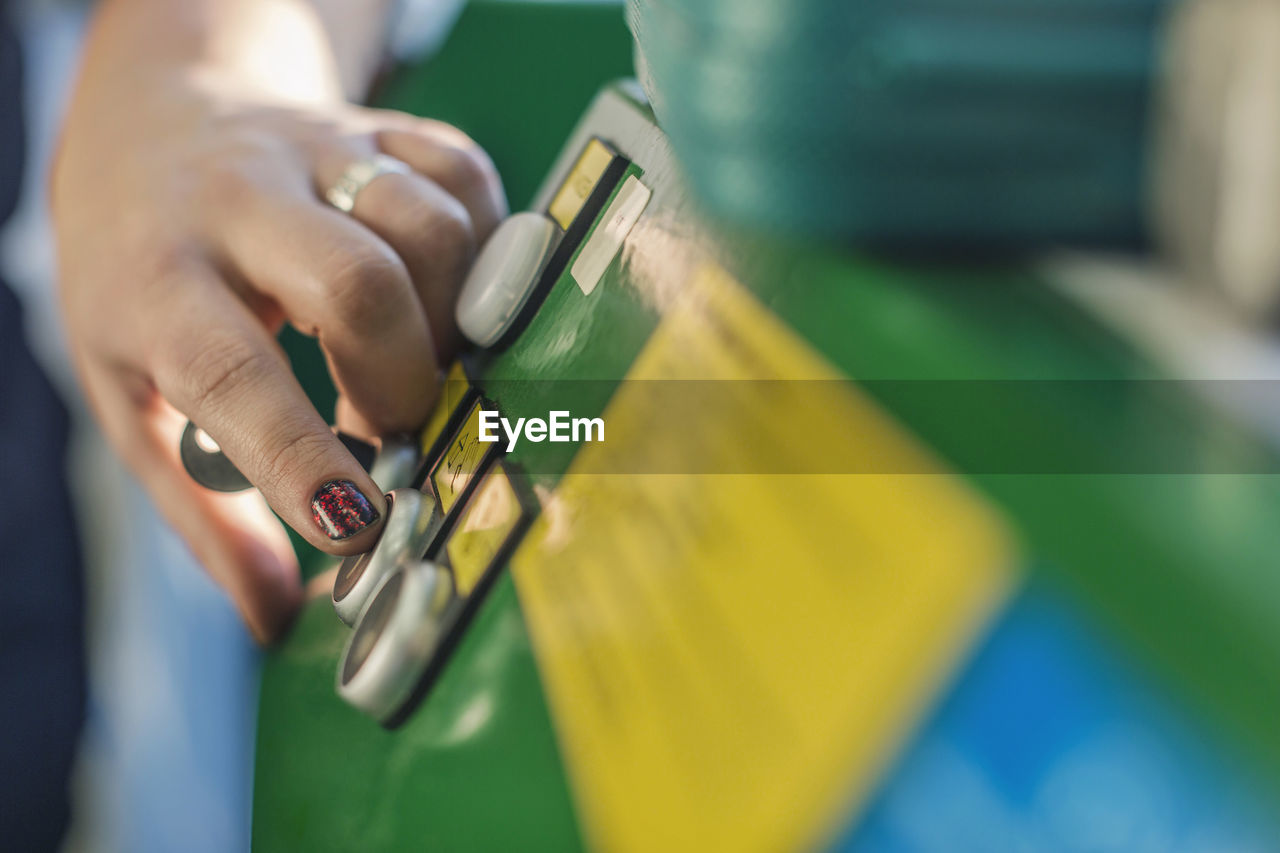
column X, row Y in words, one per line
column 268, row 50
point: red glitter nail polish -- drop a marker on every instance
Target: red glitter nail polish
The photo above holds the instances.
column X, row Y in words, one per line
column 340, row 510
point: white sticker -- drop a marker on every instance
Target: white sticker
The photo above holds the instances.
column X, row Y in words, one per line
column 602, row 247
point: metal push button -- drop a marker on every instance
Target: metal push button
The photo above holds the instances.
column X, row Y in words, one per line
column 411, row 518
column 395, row 640
column 396, row 463
column 207, row 464
column 504, row 275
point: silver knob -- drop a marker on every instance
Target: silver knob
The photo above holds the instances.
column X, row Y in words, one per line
column 395, row 640
column 411, row 519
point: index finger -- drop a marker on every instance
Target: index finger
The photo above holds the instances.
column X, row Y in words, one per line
column 216, row 364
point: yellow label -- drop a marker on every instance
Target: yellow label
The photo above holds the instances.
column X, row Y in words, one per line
column 732, row 659
column 490, row 516
column 461, row 460
column 582, row 179
column 451, row 393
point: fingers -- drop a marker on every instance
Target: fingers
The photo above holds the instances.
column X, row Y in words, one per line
column 236, row 538
column 449, row 158
column 343, row 284
column 225, row 239
column 349, row 420
column 344, row 278
column 433, row 234
column 232, row 380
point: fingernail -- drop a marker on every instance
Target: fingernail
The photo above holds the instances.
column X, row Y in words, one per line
column 340, row 510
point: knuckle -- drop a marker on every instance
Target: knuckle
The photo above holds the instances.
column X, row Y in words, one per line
column 365, row 288
column 259, row 152
column 204, row 370
column 229, row 175
column 289, row 451
column 470, row 170
column 165, row 266
column 228, row 188
column 158, row 276
column 146, row 279
column 448, row 236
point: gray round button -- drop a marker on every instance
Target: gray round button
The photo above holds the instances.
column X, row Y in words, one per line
column 395, row 639
column 410, row 521
column 396, row 463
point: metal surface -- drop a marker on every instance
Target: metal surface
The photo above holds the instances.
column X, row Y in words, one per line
column 359, row 175
column 396, row 463
column 411, row 519
column 207, row 464
column 394, row 640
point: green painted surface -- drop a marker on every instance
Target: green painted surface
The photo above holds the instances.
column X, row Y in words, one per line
column 516, row 76
column 477, row 767
column 1181, row 566
column 584, row 345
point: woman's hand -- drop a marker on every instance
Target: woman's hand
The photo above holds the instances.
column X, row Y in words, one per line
column 191, row 226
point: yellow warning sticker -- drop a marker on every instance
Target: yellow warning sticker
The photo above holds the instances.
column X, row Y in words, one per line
column 452, row 393
column 582, row 179
column 490, row 516
column 732, row 659
column 461, row 461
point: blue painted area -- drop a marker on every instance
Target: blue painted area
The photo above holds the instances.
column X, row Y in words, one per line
column 168, row 751
column 1052, row 742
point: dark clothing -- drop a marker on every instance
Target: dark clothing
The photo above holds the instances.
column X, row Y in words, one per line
column 12, row 140
column 42, row 658
column 42, row 667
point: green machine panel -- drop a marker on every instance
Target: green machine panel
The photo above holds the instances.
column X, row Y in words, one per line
column 1049, row 459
